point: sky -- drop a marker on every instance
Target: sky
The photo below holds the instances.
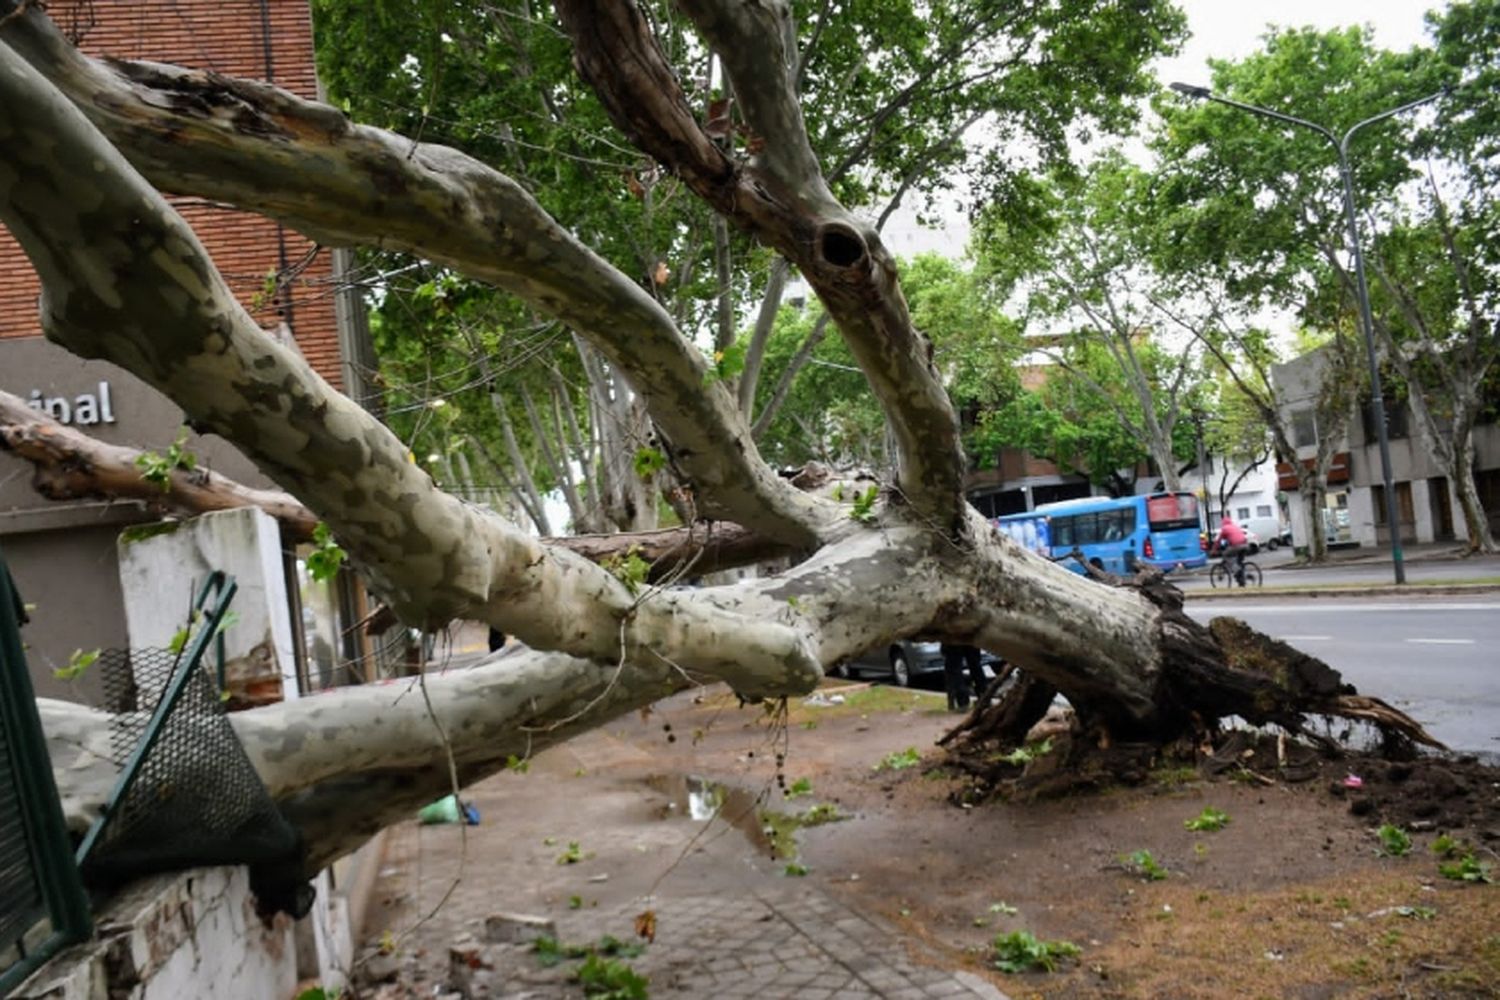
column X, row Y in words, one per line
column 1220, row 29
column 1231, row 29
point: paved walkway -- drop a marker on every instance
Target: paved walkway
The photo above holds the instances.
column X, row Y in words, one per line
column 794, row 943
column 729, row 922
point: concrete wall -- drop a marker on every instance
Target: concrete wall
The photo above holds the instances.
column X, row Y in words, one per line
column 71, row 583
column 190, row 934
column 162, row 573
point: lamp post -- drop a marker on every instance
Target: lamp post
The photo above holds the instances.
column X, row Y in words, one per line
column 1361, row 287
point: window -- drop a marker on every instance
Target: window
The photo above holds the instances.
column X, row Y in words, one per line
column 1091, row 529
column 1263, row 510
column 1304, row 428
column 1243, row 513
column 1395, row 421
column 1172, row 510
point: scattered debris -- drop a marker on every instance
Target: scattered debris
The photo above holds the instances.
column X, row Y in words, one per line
column 517, row 928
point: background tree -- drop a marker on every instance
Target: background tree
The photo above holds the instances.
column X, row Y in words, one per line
column 1073, row 418
column 900, row 104
column 1263, row 206
column 1081, row 271
column 87, row 145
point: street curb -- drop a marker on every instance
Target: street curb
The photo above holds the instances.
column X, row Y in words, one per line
column 1385, row 590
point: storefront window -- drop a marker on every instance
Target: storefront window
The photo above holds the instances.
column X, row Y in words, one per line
column 1336, row 517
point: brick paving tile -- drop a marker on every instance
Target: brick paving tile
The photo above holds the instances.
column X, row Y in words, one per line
column 795, row 943
column 909, row 993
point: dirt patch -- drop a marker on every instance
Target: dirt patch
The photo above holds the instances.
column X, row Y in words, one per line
column 1291, row 898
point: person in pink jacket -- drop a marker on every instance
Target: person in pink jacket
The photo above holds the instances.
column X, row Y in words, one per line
column 1231, row 542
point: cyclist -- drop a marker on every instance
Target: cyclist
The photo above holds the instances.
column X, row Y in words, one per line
column 1231, row 542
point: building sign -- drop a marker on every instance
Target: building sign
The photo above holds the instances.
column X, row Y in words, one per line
column 84, row 409
column 1338, row 471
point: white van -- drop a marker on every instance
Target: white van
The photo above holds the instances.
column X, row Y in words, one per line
column 1260, row 519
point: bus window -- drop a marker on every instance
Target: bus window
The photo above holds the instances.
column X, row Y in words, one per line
column 1169, row 511
column 1062, row 533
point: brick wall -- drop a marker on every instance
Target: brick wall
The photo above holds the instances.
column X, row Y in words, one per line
column 227, row 36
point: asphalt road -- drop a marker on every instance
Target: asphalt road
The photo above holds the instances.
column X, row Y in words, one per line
column 1436, row 658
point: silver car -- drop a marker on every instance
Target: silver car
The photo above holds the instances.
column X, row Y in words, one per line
column 903, row 660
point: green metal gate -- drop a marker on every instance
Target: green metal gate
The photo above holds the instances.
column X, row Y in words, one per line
column 42, row 902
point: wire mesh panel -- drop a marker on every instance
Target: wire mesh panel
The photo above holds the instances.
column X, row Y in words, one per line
column 195, row 798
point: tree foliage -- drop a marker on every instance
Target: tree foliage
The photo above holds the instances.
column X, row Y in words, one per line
column 1260, row 206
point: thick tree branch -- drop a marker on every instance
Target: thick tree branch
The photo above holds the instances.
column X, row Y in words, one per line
column 268, row 151
column 125, row 279
column 71, row 465
column 780, row 196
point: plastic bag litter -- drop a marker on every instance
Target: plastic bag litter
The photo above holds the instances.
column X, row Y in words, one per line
column 448, row 810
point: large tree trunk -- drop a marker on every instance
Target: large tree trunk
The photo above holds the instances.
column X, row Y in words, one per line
column 1314, row 495
column 124, row 279
column 1476, row 519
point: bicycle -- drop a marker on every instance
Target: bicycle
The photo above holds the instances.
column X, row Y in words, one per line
column 1222, row 574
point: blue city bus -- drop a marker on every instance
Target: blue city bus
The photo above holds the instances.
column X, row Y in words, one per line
column 1118, row 534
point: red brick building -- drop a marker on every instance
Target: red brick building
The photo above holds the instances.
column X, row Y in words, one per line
column 262, row 39
column 63, row 555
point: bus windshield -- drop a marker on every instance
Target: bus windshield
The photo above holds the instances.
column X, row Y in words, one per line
column 1170, row 511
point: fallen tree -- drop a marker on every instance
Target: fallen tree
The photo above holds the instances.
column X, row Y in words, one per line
column 87, row 147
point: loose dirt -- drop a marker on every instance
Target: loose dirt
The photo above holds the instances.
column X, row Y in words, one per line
column 1292, row 898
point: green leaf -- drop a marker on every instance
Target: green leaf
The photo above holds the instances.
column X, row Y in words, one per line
column 1145, row 865
column 899, row 760
column 1022, row 951
column 1394, row 841
column 799, row 788
column 864, row 506
column 630, row 569
column 648, row 462
column 326, row 557
column 78, row 663
column 1209, row 819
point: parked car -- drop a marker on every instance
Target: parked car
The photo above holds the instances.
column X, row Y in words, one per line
column 903, row 660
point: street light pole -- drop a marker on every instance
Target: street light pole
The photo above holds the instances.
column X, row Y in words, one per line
column 1361, row 287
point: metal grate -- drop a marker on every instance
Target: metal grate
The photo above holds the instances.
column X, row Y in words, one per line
column 194, row 798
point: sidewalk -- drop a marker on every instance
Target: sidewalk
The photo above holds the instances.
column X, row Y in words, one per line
column 1412, row 552
column 581, row 846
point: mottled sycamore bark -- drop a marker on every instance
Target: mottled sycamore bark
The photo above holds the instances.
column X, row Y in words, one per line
column 263, row 149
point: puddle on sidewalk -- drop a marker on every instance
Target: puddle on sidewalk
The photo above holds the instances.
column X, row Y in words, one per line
column 699, row 800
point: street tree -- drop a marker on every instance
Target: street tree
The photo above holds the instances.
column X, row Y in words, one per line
column 86, row 148
column 1082, row 278
column 1263, row 207
column 899, row 103
column 1072, row 416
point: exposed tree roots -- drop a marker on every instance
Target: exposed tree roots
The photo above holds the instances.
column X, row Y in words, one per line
column 1208, row 674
